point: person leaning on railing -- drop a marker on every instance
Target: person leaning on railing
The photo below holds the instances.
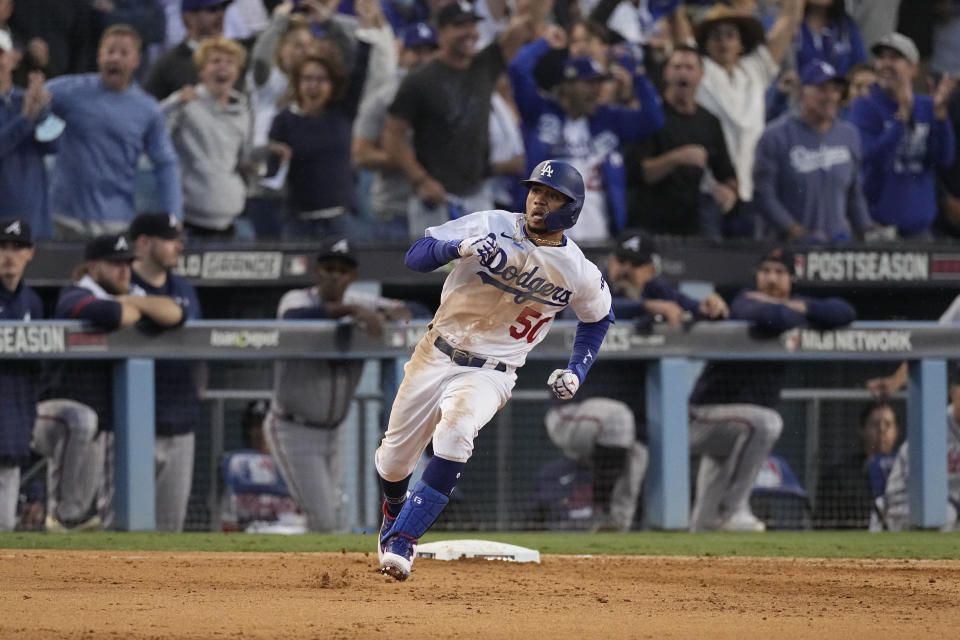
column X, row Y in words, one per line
column 75, row 423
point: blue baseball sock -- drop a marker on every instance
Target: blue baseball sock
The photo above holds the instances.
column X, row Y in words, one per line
column 442, row 474
column 395, row 494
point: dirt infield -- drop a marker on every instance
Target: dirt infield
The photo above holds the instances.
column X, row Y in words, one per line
column 97, row 594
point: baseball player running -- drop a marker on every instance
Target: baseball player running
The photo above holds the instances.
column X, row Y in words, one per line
column 514, row 274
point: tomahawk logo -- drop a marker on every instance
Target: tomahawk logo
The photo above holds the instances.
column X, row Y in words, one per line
column 13, row 228
column 547, row 171
column 632, row 244
column 121, row 244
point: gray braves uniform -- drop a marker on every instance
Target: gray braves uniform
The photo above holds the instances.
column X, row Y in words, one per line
column 578, row 428
column 896, row 497
column 66, row 433
column 311, row 399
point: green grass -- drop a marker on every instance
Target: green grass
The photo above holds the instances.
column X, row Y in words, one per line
column 852, row 544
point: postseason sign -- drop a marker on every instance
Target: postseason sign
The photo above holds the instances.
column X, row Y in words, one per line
column 863, row 266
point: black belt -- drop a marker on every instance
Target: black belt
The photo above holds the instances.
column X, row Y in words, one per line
column 295, row 419
column 464, row 358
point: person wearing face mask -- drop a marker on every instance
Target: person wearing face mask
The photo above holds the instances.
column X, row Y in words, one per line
column 210, row 125
column 110, row 121
column 734, row 422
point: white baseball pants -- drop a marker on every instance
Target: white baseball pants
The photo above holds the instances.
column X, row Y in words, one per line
column 442, row 401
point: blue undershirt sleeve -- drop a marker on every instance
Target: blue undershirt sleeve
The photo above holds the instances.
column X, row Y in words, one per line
column 586, row 344
column 427, row 254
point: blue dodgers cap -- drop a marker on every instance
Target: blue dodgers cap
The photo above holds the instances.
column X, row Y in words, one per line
column 419, row 34
column 200, row 5
column 582, row 68
column 818, row 72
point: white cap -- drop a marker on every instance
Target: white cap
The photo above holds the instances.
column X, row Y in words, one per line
column 899, row 43
column 6, row 42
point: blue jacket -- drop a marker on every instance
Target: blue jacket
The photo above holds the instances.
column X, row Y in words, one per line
column 177, row 407
column 18, row 381
column 23, row 176
column 760, row 383
column 899, row 162
column 610, row 127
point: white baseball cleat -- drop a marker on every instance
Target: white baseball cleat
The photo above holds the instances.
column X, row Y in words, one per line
column 743, row 521
column 397, row 558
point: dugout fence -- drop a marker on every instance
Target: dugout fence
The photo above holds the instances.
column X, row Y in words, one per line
column 650, row 370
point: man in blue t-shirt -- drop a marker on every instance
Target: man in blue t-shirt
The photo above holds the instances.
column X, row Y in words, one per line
column 110, row 121
column 157, row 245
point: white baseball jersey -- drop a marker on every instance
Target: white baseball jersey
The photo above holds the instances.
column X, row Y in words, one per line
column 502, row 307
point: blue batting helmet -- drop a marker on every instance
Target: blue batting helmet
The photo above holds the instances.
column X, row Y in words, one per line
column 563, row 177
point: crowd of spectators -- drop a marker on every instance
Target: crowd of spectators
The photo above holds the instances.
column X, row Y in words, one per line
column 804, row 120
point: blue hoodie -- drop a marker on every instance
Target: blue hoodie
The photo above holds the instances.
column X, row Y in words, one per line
column 899, row 160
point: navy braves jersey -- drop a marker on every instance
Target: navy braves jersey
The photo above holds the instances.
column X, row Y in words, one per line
column 18, row 380
column 178, row 408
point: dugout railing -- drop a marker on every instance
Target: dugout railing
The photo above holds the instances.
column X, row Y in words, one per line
column 671, row 356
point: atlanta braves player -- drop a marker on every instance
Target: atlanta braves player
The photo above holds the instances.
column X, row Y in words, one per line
column 515, row 273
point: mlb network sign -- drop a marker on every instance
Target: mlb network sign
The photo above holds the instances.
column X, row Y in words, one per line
column 848, row 340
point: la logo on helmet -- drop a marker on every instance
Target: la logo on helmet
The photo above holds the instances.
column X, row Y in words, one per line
column 547, row 171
